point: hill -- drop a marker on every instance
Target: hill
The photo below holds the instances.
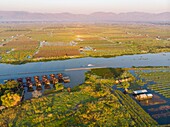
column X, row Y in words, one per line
column 94, row 17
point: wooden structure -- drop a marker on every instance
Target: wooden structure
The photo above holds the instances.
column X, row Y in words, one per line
column 66, row 79
column 53, row 79
column 142, row 94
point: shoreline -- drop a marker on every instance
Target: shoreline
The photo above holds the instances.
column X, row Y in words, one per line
column 70, row 57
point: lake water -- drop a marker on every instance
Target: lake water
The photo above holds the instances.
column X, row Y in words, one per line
column 8, row 71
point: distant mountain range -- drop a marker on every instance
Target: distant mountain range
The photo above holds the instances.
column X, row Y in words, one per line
column 94, row 17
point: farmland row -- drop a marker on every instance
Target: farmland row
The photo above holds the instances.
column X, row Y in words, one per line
column 160, row 78
column 103, row 40
column 136, row 112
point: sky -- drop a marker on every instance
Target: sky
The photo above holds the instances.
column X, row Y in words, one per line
column 86, row 6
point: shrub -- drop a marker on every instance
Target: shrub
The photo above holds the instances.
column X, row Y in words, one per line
column 10, row 99
column 59, row 86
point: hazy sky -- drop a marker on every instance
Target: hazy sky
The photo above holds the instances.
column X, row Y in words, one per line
column 86, row 6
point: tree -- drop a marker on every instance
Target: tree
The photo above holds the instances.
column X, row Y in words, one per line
column 59, row 86
column 11, row 85
column 10, row 99
column 125, row 85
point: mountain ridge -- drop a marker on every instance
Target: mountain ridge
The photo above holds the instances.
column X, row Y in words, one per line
column 93, row 17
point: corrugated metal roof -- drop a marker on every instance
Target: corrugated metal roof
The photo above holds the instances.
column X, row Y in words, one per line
column 140, row 91
column 150, row 94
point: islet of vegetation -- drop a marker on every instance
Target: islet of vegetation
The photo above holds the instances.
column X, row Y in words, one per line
column 93, row 103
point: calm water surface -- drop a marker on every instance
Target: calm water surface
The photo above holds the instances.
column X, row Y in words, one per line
column 8, row 71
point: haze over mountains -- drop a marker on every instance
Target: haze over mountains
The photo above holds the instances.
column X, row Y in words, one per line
column 94, row 17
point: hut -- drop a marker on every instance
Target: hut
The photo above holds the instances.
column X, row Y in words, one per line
column 52, row 75
column 47, row 84
column 30, row 87
column 36, row 79
column 52, row 78
column 81, row 49
column 140, row 92
column 60, row 77
column 54, row 81
column 28, row 79
column 20, row 81
column 38, row 86
column 44, row 78
column 66, row 79
column 142, row 95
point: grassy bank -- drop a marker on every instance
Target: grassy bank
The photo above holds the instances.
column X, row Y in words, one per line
column 18, row 62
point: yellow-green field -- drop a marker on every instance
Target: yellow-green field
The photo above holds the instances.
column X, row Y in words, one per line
column 32, row 42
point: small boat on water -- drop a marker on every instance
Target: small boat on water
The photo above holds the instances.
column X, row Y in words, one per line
column 90, row 65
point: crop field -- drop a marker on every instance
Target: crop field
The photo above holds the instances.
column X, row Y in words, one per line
column 100, row 40
column 128, row 39
column 19, row 49
column 6, row 35
column 157, row 80
column 59, row 51
column 160, row 77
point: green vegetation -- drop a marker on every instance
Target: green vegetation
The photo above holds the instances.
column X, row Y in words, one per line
column 27, row 43
column 10, row 93
column 59, row 86
column 160, row 77
column 93, row 103
column 10, row 99
column 107, row 73
column 121, row 77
